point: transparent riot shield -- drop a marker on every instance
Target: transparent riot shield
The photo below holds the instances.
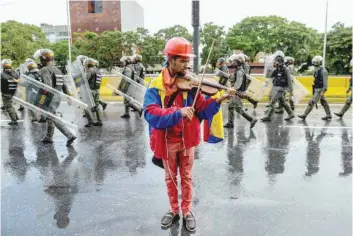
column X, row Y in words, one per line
column 49, row 102
column 268, row 66
column 70, row 84
column 256, row 89
column 130, row 90
column 141, row 81
column 299, row 91
column 84, row 92
column 268, row 85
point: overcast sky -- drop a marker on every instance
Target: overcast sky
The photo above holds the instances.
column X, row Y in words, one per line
column 160, row 14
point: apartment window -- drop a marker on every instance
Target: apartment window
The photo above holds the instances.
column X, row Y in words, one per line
column 95, row 6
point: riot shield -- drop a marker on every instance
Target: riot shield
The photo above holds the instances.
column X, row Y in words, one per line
column 70, row 84
column 299, row 91
column 256, row 89
column 77, row 71
column 268, row 85
column 140, row 81
column 130, row 90
column 49, row 102
column 268, row 66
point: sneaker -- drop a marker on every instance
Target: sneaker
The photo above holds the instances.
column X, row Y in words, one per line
column 289, row 117
column 47, row 140
column 125, row 116
column 168, row 219
column 70, row 141
column 190, row 222
column 99, row 123
column 228, row 125
column 13, row 123
column 252, row 123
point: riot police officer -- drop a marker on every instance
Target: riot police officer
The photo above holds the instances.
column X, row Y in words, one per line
column 238, row 83
column 130, row 73
column 289, row 63
column 319, row 88
column 53, row 77
column 139, row 68
column 9, row 80
column 281, row 82
column 222, row 67
column 94, row 79
column 348, row 102
column 33, row 72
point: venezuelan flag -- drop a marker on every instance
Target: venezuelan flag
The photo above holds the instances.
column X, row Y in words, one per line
column 213, row 128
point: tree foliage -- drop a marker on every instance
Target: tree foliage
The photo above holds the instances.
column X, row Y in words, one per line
column 210, row 32
column 20, row 41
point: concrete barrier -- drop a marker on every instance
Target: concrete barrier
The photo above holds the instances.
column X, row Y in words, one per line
column 336, row 91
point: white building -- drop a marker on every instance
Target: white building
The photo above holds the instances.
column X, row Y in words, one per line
column 55, row 33
column 132, row 16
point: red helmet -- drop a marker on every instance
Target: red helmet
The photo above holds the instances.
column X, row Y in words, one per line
column 178, row 46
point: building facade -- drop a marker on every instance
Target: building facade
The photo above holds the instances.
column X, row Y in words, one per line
column 55, row 33
column 98, row 16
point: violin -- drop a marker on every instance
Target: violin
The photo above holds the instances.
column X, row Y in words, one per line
column 209, row 85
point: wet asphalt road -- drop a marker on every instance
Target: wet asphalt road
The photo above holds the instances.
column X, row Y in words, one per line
column 284, row 178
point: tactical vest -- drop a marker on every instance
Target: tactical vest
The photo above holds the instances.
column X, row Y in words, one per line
column 280, row 79
column 95, row 80
column 223, row 79
column 11, row 84
column 56, row 77
column 35, row 75
column 319, row 79
column 243, row 82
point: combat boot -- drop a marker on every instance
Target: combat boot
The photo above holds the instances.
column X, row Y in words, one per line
column 229, row 125
column 289, row 111
column 47, row 140
column 343, row 110
column 13, row 123
column 328, row 112
column 250, row 119
column 306, row 112
column 252, row 101
column 269, row 114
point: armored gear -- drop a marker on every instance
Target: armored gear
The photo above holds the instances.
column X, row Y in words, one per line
column 317, row 61
column 44, row 55
column 94, row 78
column 319, row 79
column 280, row 77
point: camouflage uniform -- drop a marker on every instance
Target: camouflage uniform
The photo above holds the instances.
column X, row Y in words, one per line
column 94, row 79
column 8, row 89
column 128, row 72
column 48, row 73
column 34, row 74
column 140, row 72
column 348, row 102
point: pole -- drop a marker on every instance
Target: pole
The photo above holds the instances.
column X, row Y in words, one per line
column 325, row 37
column 196, row 35
column 69, row 28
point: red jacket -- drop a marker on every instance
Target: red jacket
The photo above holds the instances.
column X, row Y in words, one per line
column 161, row 119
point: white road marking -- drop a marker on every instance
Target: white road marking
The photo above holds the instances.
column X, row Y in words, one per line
column 316, row 127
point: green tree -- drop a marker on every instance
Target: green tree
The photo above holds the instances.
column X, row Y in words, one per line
column 20, row 41
column 271, row 33
column 61, row 53
column 210, row 32
column 339, row 49
column 174, row 31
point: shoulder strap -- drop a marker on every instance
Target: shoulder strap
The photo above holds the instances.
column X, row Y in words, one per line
column 171, row 99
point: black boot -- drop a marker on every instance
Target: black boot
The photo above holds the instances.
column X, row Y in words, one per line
column 289, row 111
column 343, row 110
column 229, row 125
column 328, row 112
column 306, row 112
column 269, row 114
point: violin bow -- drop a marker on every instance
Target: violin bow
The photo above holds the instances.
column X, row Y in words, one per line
column 203, row 73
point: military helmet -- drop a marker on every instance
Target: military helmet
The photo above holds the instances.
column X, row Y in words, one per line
column 317, row 61
column 221, row 60
column 44, row 55
column 89, row 62
column 127, row 59
column 31, row 65
column 246, row 57
column 278, row 53
column 6, row 64
column 289, row 60
column 137, row 57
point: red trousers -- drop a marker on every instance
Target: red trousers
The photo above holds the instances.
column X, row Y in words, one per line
column 178, row 157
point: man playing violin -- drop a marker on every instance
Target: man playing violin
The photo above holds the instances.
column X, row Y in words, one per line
column 175, row 127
